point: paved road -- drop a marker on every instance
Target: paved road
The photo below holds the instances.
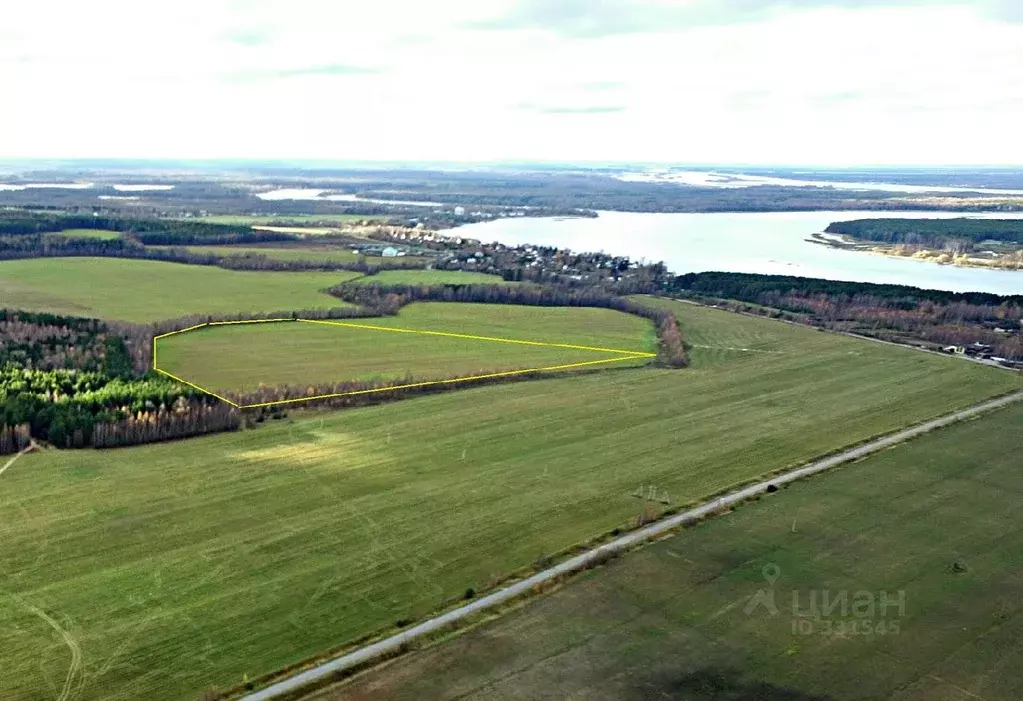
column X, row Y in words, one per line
column 393, row 643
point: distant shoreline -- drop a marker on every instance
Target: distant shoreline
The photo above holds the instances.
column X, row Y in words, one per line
column 920, row 253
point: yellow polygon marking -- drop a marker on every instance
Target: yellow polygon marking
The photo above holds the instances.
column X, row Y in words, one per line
column 201, row 389
column 474, row 338
column 622, row 356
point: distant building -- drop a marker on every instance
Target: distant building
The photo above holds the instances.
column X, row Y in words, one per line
column 459, row 211
column 389, row 252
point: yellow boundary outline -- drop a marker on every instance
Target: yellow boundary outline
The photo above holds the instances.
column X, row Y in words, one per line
column 623, row 355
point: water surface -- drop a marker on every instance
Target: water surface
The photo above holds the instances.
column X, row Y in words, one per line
column 767, row 243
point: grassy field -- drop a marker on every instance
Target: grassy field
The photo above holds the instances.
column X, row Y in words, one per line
column 433, row 277
column 672, row 619
column 227, row 358
column 173, row 566
column 148, row 290
column 312, row 252
column 290, row 254
column 90, row 234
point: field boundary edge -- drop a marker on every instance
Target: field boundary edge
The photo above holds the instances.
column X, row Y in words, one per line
column 621, row 355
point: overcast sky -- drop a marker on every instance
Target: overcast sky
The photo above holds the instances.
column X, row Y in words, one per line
column 723, row 81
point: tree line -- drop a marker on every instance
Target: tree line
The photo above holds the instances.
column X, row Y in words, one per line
column 960, row 235
column 747, row 285
column 71, row 408
column 14, row 439
column 891, row 312
column 148, row 231
column 345, row 395
column 186, row 418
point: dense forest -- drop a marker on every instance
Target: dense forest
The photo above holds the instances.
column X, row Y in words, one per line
column 892, row 312
column 49, row 342
column 746, row 286
column 147, row 231
column 75, row 409
column 959, row 235
column 77, row 382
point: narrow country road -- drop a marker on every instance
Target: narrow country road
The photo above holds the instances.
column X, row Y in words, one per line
column 580, row 562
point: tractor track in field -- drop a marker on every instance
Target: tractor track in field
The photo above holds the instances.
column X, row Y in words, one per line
column 27, row 449
column 396, row 643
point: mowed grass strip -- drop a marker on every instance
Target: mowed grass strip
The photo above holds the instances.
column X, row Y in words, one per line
column 237, row 358
column 179, row 565
column 937, row 518
column 145, row 290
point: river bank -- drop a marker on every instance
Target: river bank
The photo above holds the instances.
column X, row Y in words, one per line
column 992, row 260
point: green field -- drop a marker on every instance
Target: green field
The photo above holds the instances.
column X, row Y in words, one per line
column 432, row 277
column 339, row 255
column 234, row 358
column 102, row 234
column 312, row 252
column 173, row 566
column 145, row 290
column 672, row 621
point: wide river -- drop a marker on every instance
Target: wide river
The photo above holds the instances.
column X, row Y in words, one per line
column 769, row 243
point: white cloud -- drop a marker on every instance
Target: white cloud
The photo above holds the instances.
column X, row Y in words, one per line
column 803, row 81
